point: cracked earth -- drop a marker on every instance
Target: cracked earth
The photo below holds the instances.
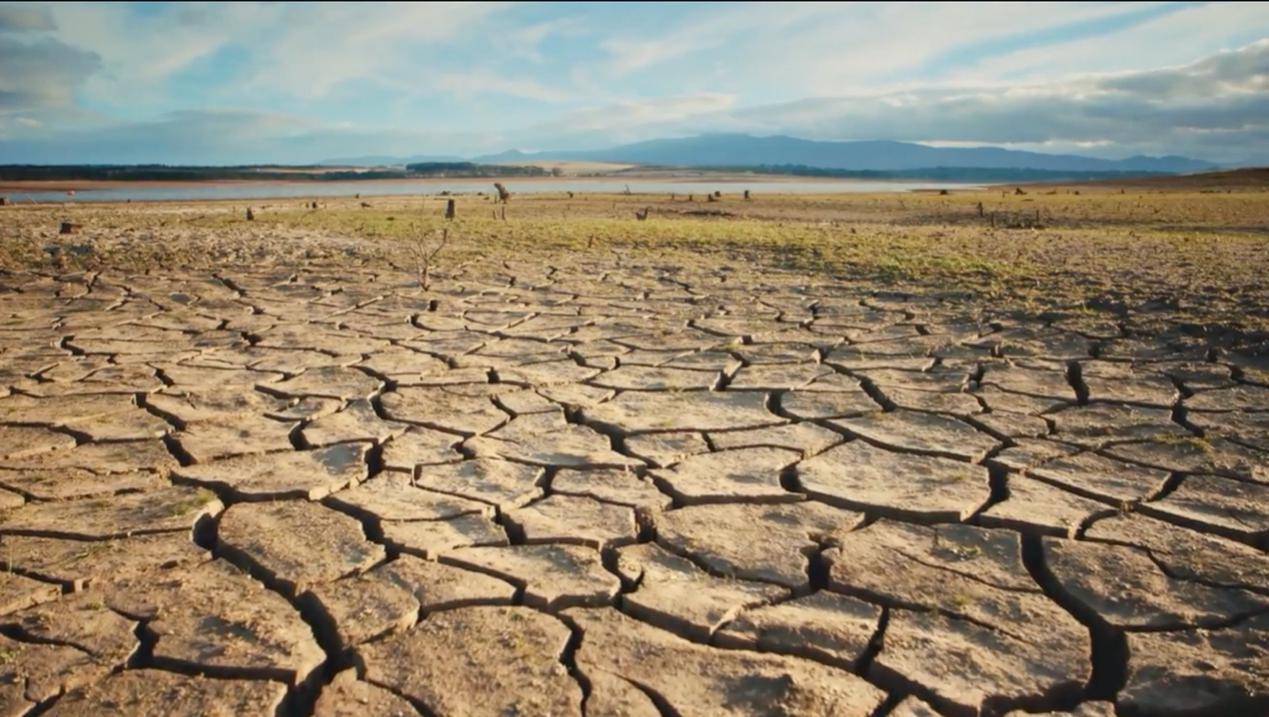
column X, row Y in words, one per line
column 618, row 489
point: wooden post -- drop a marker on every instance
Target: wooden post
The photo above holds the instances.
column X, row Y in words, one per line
column 993, row 219
column 250, row 215
column 450, row 209
column 746, row 194
column 980, row 209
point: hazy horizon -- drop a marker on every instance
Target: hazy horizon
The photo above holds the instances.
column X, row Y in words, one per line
column 298, row 83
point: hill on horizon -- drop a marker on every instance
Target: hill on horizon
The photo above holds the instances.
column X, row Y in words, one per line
column 741, row 150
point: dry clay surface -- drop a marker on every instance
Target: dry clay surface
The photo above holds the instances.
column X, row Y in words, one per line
column 619, row 490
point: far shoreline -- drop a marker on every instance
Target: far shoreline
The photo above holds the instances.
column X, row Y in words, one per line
column 76, row 185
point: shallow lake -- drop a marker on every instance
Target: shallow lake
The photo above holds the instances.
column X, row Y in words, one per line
column 143, row 192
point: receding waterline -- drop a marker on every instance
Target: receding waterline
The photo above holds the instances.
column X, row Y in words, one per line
column 381, row 188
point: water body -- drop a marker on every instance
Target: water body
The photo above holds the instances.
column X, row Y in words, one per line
column 142, row 192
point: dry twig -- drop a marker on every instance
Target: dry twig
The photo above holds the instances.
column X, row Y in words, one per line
column 423, row 256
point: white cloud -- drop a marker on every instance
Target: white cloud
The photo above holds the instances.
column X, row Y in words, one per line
column 718, row 26
column 823, row 48
column 638, row 113
column 526, row 41
column 1185, row 35
column 1216, row 107
column 317, row 48
column 138, row 48
column 25, row 17
column 211, row 137
column 42, row 74
column 1102, row 77
column 304, row 50
column 478, row 82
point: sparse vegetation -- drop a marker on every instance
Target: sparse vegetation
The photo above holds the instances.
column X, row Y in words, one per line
column 1206, row 252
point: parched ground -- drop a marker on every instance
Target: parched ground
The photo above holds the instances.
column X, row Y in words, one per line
column 726, row 464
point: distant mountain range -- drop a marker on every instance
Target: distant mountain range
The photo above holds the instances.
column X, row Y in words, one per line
column 740, row 150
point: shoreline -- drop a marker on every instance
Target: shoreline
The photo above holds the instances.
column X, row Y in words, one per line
column 77, row 185
column 41, row 192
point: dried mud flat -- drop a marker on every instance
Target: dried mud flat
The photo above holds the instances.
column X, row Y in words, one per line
column 618, row 488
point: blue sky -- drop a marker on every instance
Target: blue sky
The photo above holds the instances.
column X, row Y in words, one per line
column 283, row 82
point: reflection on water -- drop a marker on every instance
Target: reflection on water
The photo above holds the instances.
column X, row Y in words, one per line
column 275, row 190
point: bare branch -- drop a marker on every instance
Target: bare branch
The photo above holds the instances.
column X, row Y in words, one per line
column 423, row 256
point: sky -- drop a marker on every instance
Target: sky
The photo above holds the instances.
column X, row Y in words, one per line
column 240, row 83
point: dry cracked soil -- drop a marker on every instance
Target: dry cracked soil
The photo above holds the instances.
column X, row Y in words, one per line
column 618, row 488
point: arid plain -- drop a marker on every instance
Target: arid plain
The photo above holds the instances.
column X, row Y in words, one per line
column 992, row 452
